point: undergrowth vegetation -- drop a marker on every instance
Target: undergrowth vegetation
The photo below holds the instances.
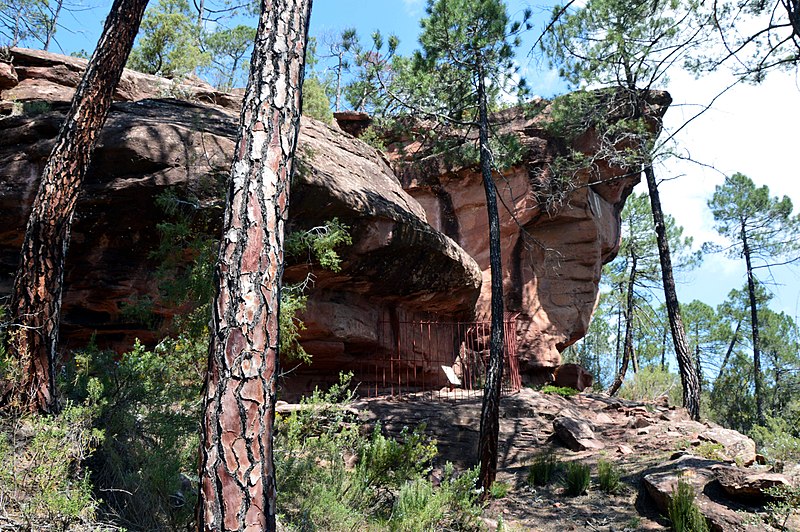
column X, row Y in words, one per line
column 577, row 478
column 43, row 480
column 366, row 481
column 543, row 469
column 683, row 513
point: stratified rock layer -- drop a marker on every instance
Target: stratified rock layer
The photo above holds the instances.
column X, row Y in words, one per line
column 397, row 262
column 553, row 245
column 420, row 242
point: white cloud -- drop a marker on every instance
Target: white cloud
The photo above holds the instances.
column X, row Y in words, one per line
column 413, row 7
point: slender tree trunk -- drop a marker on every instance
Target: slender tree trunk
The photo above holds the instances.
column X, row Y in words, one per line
column 338, row 94
column 36, row 296
column 490, row 412
column 237, row 474
column 751, row 291
column 618, row 350
column 627, row 352
column 698, row 363
column 51, row 26
column 731, row 345
column 664, row 350
column 691, row 386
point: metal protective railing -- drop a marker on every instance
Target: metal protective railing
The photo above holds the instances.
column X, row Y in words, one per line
column 436, row 359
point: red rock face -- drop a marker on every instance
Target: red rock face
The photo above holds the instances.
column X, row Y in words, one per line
column 552, row 256
column 397, row 263
column 419, row 241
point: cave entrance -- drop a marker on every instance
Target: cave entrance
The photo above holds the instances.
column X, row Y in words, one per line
column 434, row 359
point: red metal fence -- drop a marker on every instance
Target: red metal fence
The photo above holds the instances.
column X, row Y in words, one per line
column 436, row 359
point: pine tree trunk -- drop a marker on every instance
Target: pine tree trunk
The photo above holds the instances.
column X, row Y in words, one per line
column 237, row 474
column 751, row 291
column 731, row 345
column 627, row 352
column 490, row 411
column 691, row 386
column 52, row 25
column 36, row 296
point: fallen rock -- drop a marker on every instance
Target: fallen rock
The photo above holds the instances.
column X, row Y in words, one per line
column 736, row 446
column 639, row 422
column 625, row 449
column 572, row 376
column 661, row 483
column 747, row 484
column 577, row 434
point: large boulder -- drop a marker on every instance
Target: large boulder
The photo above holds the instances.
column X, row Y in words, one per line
column 661, row 483
column 736, row 447
column 748, row 484
column 420, row 244
column 572, row 376
column 576, row 433
column 554, row 239
column 47, row 76
column 397, row 265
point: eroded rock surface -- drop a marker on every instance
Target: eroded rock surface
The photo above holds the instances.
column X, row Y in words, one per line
column 396, row 264
column 527, row 430
column 554, row 238
column 420, row 242
column 736, row 447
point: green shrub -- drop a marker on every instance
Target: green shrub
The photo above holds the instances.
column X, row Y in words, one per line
column 563, row 391
column 785, row 502
column 149, row 406
column 778, row 440
column 543, row 469
column 373, row 138
column 577, row 477
column 387, row 487
column 710, row 450
column 651, row 383
column 499, row 490
column 43, row 482
column 683, row 513
column 315, row 101
column 608, row 477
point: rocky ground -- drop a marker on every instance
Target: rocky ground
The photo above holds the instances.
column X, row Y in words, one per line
column 652, row 444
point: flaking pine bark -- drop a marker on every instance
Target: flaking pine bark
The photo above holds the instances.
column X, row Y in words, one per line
column 38, row 284
column 237, row 476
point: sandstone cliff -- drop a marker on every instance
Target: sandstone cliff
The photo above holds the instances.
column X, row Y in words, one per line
column 397, row 261
column 553, row 248
column 419, row 241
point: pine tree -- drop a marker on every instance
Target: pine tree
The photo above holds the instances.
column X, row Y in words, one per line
column 761, row 230
column 38, row 284
column 632, row 44
column 637, row 270
column 466, row 59
column 237, row 473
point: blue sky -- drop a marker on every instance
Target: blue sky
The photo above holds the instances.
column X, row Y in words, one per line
column 746, row 131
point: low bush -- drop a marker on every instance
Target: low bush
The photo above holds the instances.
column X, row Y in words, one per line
column 43, row 483
column 651, row 383
column 148, row 403
column 785, row 502
column 563, row 391
column 333, row 478
column 683, row 514
column 544, row 467
column 577, row 478
column 778, row 440
column 499, row 490
column 608, row 477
